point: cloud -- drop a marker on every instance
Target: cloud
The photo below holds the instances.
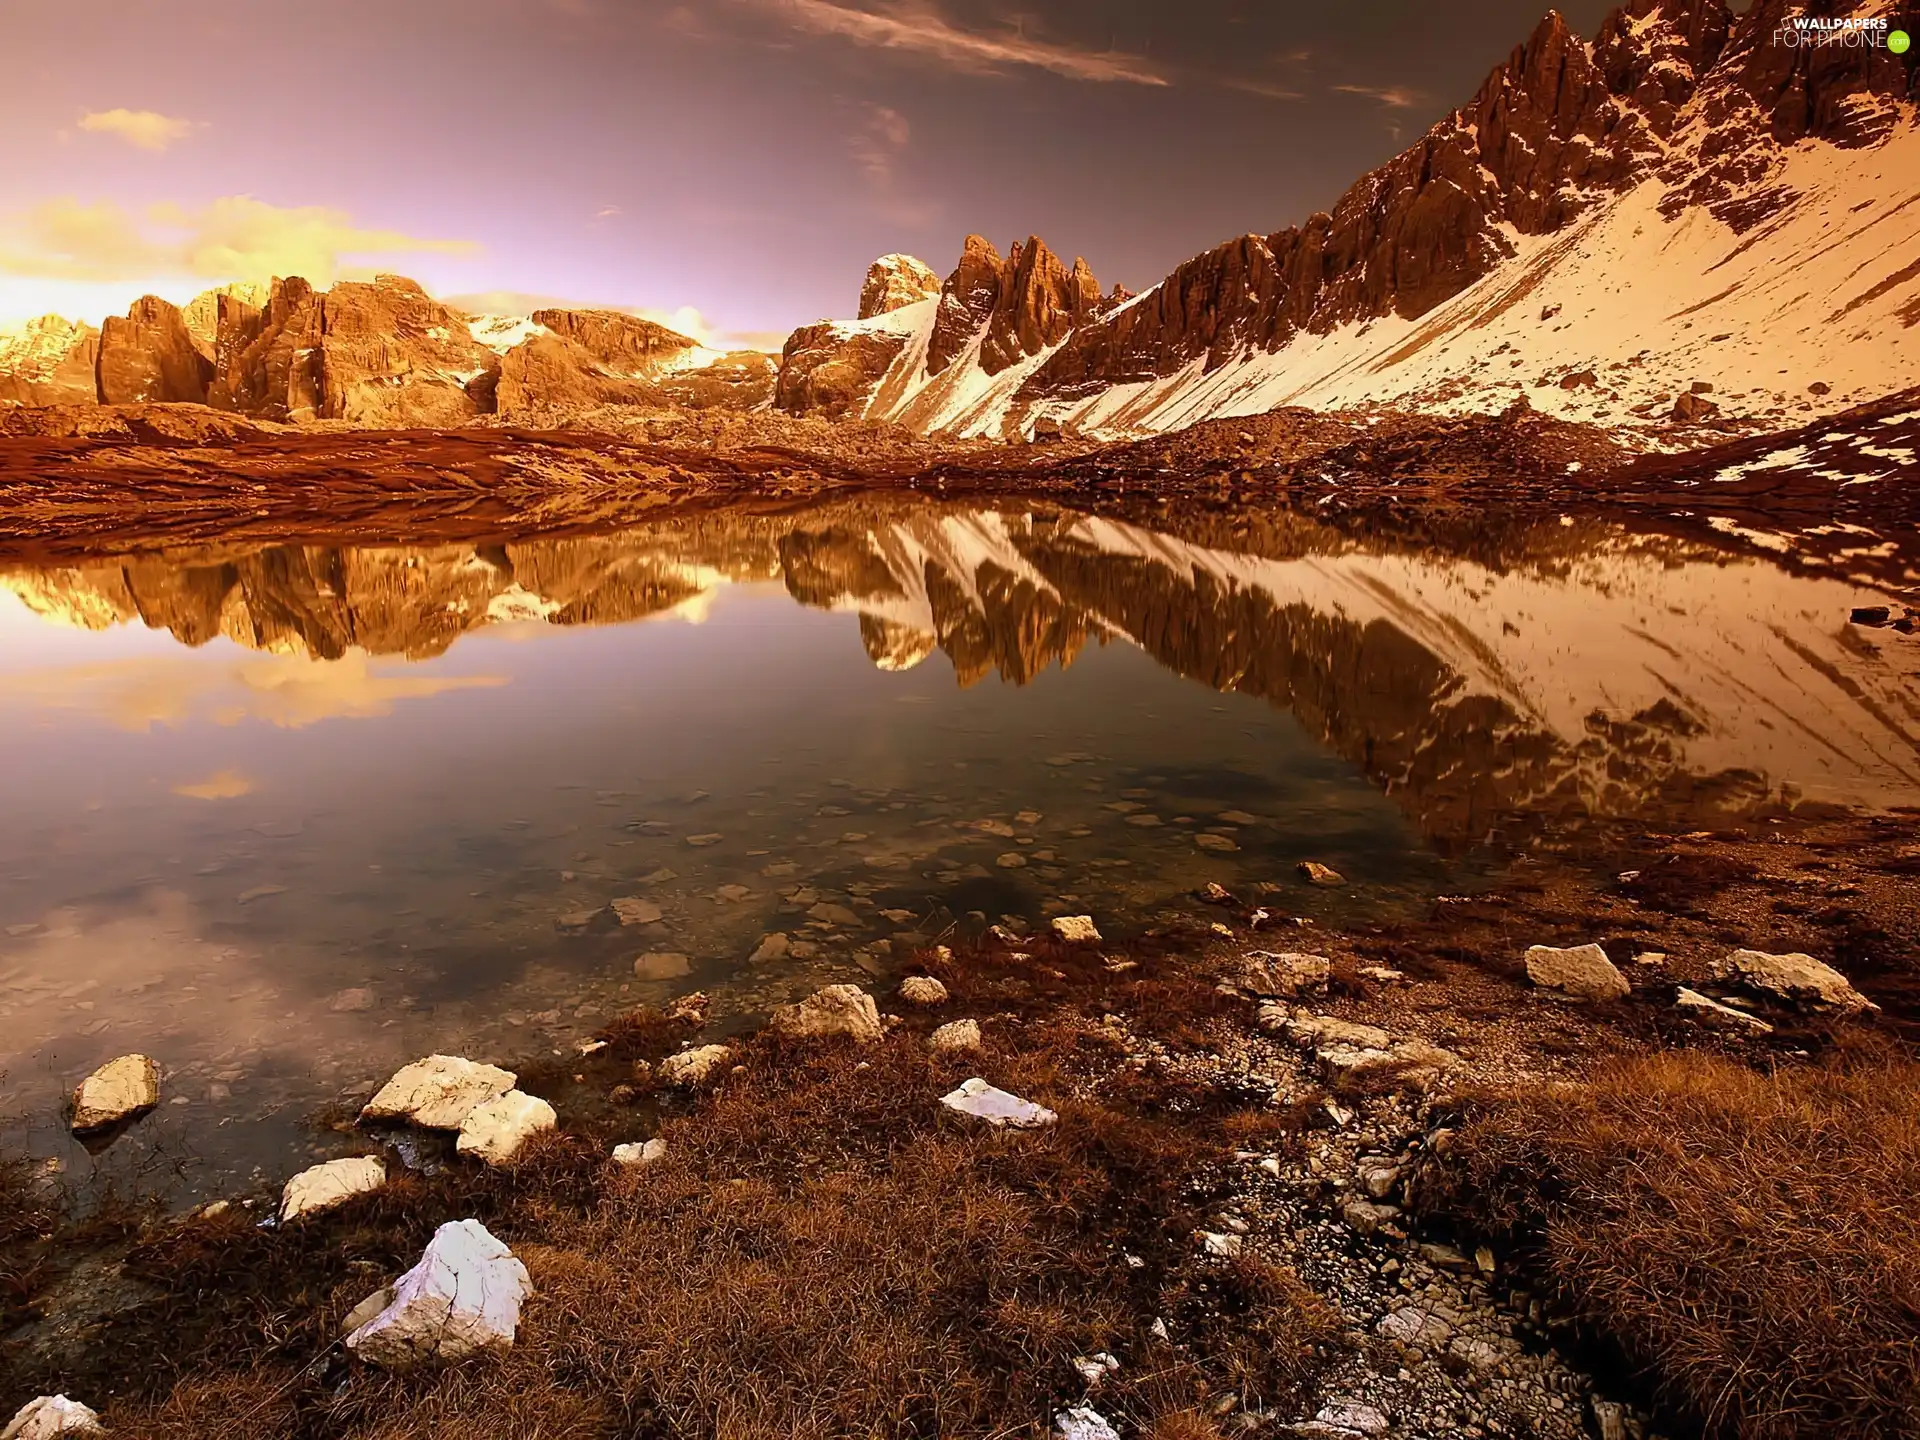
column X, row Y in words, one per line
column 222, row 785
column 916, row 26
column 606, row 212
column 233, row 238
column 1394, row 97
column 145, row 129
column 878, row 142
column 1262, row 88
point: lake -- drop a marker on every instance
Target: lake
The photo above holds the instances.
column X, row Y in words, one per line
column 288, row 816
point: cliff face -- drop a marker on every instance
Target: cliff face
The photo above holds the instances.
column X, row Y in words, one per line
column 1525, row 183
column 49, row 361
column 149, row 356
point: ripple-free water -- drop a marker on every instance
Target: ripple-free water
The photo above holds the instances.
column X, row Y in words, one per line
column 286, row 818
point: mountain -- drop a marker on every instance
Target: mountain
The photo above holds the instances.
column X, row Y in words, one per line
column 380, row 354
column 1678, row 221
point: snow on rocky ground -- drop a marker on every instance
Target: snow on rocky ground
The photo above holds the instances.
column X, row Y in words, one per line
column 1606, row 321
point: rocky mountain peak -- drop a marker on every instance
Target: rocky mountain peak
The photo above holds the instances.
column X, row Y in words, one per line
column 893, row 281
column 149, row 356
column 967, row 298
column 49, row 361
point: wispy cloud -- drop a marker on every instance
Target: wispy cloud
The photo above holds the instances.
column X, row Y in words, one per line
column 146, row 129
column 917, row 27
column 878, row 143
column 1394, row 97
column 235, row 237
column 607, row 212
column 1265, row 88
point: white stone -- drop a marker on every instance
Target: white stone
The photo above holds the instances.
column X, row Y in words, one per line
column 439, row 1092
column 1076, row 929
column 1226, row 1247
column 50, row 1417
column 1083, row 1423
column 640, row 1155
column 923, row 990
column 1289, row 973
column 695, row 1066
column 1096, row 1367
column 835, row 1010
column 1705, row 1007
column 463, row 1298
column 495, row 1131
column 956, row 1037
column 1583, row 971
column 1414, row 1326
column 366, row 1310
column 1354, row 1415
column 321, row 1187
column 977, row 1098
column 118, row 1090
column 1793, row 976
column 1321, row 1031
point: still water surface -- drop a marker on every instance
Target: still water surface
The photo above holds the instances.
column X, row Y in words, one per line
column 288, row 817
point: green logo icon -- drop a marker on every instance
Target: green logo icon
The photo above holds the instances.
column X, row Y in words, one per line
column 1898, row 42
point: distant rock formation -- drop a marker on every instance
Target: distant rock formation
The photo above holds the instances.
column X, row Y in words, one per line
column 149, row 357
column 583, row 358
column 893, row 281
column 379, row 355
column 1679, row 94
column 49, row 361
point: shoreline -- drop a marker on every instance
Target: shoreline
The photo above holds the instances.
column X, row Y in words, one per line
column 1220, row 1071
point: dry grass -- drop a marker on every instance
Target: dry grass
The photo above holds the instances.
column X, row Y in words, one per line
column 1751, row 1241
column 824, row 1253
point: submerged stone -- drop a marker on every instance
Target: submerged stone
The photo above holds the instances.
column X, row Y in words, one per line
column 119, row 1090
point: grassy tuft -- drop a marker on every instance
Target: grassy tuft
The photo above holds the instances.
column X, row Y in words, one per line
column 1751, row 1241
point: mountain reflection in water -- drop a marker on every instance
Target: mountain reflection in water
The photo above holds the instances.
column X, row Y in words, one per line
column 289, row 816
column 1581, row 669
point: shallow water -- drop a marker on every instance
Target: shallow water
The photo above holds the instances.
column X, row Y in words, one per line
column 288, row 817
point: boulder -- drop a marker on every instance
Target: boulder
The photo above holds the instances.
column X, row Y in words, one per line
column 632, row 910
column 999, row 1109
column 1705, row 1008
column 495, row 1130
column 438, row 1093
column 771, row 947
column 1287, row 974
column 638, row 1156
column 923, row 990
column 1314, row 873
column 119, row 1090
column 694, row 1067
column 956, row 1037
column 1083, row 1422
column 1076, row 929
column 321, row 1187
column 49, row 1418
column 836, row 1010
column 1793, row 977
column 462, row 1299
column 1582, row 971
column 893, row 281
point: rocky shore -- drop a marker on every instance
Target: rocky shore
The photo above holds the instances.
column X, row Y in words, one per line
column 1238, row 1176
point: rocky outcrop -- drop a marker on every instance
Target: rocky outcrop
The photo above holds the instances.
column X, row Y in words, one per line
column 219, row 310
column 585, row 358
column 384, row 355
column 1023, row 304
column 49, row 361
column 893, row 281
column 831, row 369
column 148, row 356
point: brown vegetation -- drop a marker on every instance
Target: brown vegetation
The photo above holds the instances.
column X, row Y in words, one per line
column 824, row 1252
column 1751, row 1241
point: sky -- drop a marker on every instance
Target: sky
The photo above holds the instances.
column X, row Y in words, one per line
column 729, row 165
